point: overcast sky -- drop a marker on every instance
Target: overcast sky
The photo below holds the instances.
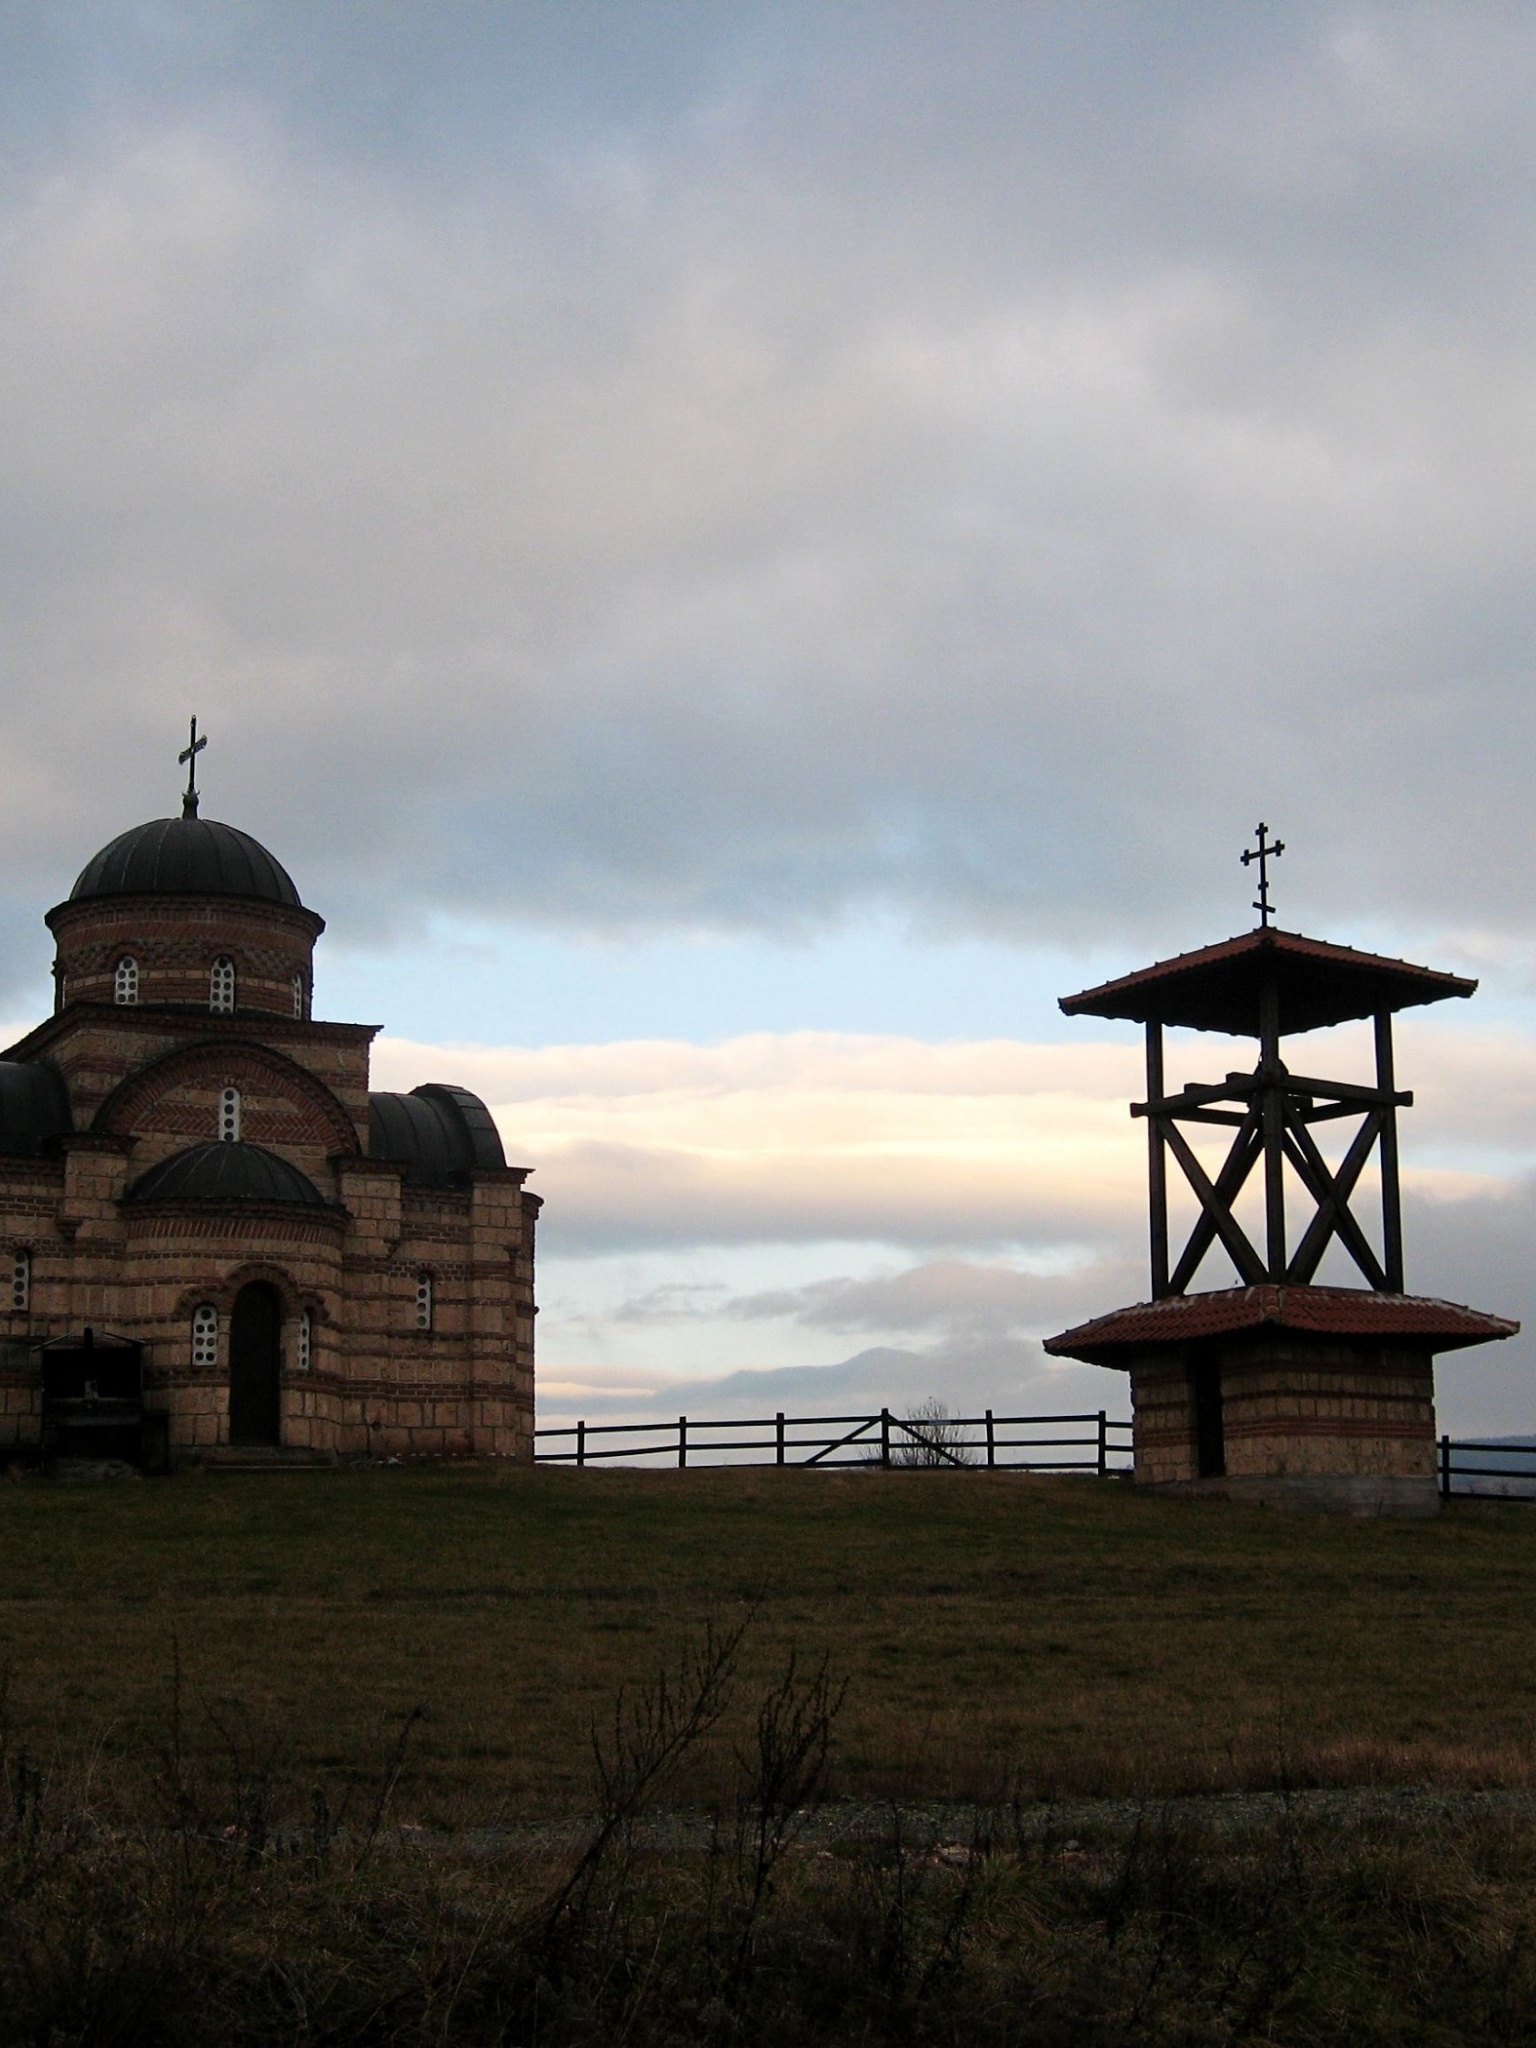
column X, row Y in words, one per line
column 735, row 549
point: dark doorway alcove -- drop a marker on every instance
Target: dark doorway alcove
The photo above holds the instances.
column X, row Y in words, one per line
column 255, row 1366
column 1210, row 1422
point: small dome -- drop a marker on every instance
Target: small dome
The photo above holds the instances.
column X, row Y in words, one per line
column 186, row 857
column 443, row 1134
column 223, row 1172
column 33, row 1106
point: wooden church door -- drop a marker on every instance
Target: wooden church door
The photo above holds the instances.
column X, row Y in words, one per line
column 255, row 1366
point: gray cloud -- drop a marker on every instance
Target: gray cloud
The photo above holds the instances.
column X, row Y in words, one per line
column 675, row 1302
column 609, row 1197
column 731, row 469
column 960, row 1297
column 1008, row 1375
column 982, row 1323
column 985, row 1318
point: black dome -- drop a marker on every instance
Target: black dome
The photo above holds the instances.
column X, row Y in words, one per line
column 225, row 1173
column 443, row 1134
column 186, row 857
column 33, row 1106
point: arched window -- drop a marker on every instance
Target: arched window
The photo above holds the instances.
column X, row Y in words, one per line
column 423, row 1301
column 221, row 984
column 125, row 982
column 21, row 1281
column 304, row 1344
column 205, row 1334
column 298, row 995
column 229, row 1115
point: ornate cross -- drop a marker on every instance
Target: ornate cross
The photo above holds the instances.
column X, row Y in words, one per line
column 188, row 756
column 1266, row 851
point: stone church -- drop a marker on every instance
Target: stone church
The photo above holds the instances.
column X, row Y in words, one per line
column 215, row 1241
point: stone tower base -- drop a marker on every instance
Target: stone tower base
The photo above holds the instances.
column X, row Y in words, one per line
column 1302, row 1397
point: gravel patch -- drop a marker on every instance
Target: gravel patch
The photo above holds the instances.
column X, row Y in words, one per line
column 950, row 1825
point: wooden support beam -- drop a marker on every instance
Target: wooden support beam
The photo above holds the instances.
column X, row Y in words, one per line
column 1229, row 1185
column 1391, row 1194
column 1236, row 1088
column 1349, row 1091
column 1318, row 1179
column 1234, row 1240
column 1157, row 1166
column 1329, row 1114
column 1272, row 1110
column 1277, row 1108
column 1333, row 1202
column 1197, row 1096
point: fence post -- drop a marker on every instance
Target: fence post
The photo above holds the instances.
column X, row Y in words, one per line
column 1103, row 1443
column 682, row 1441
column 885, row 1438
column 778, row 1421
column 1445, row 1468
column 991, row 1442
column 581, row 1443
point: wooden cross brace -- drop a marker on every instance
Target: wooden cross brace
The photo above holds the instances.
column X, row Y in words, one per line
column 1270, row 1113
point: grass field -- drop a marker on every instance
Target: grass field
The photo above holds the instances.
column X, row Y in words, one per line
column 999, row 1634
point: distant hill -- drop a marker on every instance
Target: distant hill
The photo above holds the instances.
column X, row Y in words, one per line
column 1007, row 1374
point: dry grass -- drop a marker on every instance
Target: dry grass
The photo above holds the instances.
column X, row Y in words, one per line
column 1000, row 1635
column 161, row 1902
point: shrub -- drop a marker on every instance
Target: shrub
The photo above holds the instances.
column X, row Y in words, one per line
column 929, row 1438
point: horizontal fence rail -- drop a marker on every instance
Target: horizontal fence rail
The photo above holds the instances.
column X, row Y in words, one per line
column 1091, row 1442
column 1096, row 1442
column 1487, row 1470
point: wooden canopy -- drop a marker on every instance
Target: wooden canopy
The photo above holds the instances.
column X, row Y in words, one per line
column 1219, row 988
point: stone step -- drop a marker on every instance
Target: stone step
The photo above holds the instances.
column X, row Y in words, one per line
column 259, row 1458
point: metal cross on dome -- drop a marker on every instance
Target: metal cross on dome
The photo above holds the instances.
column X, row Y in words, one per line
column 188, row 757
column 1266, row 851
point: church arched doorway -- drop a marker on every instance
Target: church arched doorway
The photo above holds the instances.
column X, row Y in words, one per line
column 255, row 1366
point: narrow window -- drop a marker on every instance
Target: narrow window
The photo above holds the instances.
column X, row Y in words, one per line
column 423, row 1301
column 125, row 983
column 221, row 984
column 298, row 995
column 205, row 1334
column 229, row 1115
column 305, row 1340
column 21, row 1282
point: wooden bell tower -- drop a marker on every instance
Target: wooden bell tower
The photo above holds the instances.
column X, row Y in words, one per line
column 1279, row 1389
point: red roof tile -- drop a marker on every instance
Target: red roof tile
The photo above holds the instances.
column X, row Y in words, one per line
column 1325, row 1311
column 1217, row 988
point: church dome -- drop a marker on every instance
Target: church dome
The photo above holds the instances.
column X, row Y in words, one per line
column 187, row 856
column 441, row 1133
column 225, row 1172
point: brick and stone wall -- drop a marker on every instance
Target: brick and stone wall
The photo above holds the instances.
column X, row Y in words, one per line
column 175, row 1102
column 176, row 940
column 376, row 1384
column 1289, row 1405
column 145, row 1081
column 109, row 1055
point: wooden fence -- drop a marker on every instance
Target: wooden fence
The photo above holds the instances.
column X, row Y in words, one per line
column 1487, row 1470
column 1097, row 1443
column 1050, row 1443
